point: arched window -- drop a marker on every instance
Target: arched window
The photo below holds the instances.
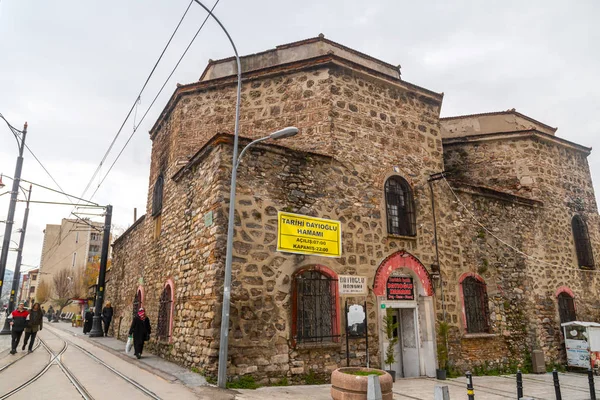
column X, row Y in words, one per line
column 137, row 302
column 583, row 248
column 400, row 207
column 157, row 196
column 566, row 308
column 475, row 303
column 315, row 305
column 165, row 314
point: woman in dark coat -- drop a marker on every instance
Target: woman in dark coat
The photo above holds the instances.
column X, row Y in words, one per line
column 107, row 314
column 36, row 323
column 140, row 328
column 88, row 321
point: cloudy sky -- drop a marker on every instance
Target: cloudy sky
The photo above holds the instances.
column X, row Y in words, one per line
column 72, row 69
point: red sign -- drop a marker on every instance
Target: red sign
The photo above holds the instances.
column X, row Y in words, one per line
column 400, row 288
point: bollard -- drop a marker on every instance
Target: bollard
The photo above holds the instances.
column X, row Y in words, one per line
column 374, row 388
column 470, row 392
column 441, row 393
column 519, row 384
column 556, row 385
column 591, row 382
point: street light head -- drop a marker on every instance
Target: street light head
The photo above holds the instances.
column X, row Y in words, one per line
column 284, row 133
column 1, row 184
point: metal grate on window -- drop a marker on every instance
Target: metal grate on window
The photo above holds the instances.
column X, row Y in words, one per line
column 157, row 196
column 585, row 257
column 316, row 307
column 566, row 308
column 476, row 306
column 399, row 207
column 137, row 302
column 163, row 330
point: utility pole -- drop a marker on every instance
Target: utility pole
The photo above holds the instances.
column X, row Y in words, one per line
column 97, row 330
column 17, row 275
column 11, row 211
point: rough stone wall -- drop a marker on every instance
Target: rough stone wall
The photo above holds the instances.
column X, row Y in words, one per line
column 557, row 177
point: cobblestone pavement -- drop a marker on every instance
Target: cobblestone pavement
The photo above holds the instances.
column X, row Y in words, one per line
column 87, row 361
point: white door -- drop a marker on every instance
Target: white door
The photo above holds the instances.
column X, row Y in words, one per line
column 409, row 343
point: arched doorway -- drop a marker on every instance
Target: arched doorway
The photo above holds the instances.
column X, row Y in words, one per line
column 404, row 293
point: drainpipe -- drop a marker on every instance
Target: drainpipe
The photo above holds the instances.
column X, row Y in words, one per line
column 435, row 177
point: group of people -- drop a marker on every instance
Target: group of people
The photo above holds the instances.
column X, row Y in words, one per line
column 32, row 321
column 28, row 321
column 106, row 317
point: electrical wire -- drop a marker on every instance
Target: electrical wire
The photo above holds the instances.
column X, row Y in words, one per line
column 133, row 106
column 154, row 100
column 516, row 250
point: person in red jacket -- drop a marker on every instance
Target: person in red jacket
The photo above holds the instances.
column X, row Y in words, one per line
column 18, row 324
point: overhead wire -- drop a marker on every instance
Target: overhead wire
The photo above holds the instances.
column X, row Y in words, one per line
column 153, row 101
column 133, row 106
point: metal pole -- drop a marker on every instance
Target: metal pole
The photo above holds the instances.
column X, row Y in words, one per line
column 97, row 324
column 347, row 342
column 470, row 391
column 224, row 335
column 591, row 382
column 437, row 254
column 556, row 385
column 10, row 220
column 367, row 333
column 519, row 384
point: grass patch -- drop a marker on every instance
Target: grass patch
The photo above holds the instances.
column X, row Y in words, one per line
column 364, row 373
column 243, row 382
column 313, row 379
column 282, row 382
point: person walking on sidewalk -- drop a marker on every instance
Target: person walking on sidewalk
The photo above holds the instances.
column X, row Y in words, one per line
column 88, row 320
column 140, row 328
column 50, row 313
column 36, row 323
column 107, row 314
column 18, row 322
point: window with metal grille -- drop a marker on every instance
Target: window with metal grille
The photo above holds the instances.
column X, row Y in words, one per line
column 476, row 305
column 137, row 302
column 315, row 307
column 157, row 196
column 583, row 248
column 566, row 308
column 400, row 207
column 163, row 330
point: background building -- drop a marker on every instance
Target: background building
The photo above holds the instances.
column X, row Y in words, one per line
column 70, row 246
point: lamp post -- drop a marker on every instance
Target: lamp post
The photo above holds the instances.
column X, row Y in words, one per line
column 224, row 338
column 13, row 200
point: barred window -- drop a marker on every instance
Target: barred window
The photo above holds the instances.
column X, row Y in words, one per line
column 583, row 248
column 476, row 305
column 163, row 330
column 315, row 307
column 566, row 308
column 400, row 207
column 157, row 196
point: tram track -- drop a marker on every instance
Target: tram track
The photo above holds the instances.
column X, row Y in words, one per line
column 56, row 361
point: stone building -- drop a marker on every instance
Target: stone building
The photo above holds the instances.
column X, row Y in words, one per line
column 515, row 223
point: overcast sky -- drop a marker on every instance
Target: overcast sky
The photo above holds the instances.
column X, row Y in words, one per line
column 73, row 68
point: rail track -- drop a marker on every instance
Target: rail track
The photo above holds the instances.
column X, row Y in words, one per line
column 56, row 361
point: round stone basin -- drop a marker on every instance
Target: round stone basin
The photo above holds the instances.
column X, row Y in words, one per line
column 345, row 385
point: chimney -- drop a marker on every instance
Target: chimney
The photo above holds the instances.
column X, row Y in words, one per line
column 134, row 214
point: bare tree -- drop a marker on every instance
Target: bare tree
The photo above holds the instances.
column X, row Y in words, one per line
column 63, row 289
column 43, row 292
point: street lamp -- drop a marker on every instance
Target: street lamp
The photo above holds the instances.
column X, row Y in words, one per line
column 224, row 339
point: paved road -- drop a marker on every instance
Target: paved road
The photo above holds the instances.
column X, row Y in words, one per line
column 66, row 367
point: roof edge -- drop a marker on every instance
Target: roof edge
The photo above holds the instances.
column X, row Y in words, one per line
column 511, row 111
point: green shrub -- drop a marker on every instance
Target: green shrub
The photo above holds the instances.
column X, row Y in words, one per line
column 243, row 382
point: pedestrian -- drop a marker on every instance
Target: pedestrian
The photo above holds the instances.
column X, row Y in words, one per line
column 36, row 323
column 18, row 322
column 107, row 314
column 140, row 328
column 50, row 313
column 88, row 321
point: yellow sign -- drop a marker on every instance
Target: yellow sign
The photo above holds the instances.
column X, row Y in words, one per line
column 308, row 235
